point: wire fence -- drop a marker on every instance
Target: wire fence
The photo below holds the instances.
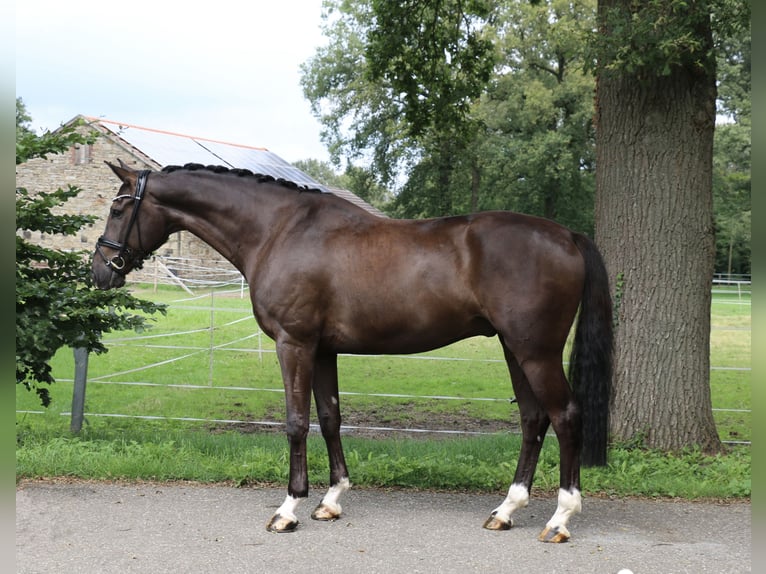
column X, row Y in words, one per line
column 225, row 337
column 729, row 284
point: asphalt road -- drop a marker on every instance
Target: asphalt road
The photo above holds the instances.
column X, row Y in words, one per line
column 184, row 528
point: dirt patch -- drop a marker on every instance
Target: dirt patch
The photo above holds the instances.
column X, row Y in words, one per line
column 382, row 422
column 417, row 423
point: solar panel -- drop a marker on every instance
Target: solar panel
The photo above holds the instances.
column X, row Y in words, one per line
column 175, row 149
column 260, row 161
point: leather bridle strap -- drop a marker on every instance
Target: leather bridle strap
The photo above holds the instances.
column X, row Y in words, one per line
column 125, row 254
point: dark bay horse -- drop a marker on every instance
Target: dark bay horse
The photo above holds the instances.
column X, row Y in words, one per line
column 327, row 277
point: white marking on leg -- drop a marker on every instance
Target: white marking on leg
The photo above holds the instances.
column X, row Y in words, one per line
column 287, row 510
column 570, row 503
column 518, row 497
column 330, row 500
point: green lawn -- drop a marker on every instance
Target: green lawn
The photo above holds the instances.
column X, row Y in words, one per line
column 171, row 373
column 176, row 374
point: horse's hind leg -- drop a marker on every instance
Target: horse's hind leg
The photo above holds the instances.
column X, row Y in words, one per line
column 534, row 424
column 328, row 411
column 549, row 384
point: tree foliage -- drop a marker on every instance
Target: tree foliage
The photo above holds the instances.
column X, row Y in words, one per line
column 358, row 180
column 461, row 106
column 363, row 120
column 538, row 144
column 651, row 37
column 731, row 160
column 732, row 198
column 436, row 56
column 398, row 103
column 56, row 305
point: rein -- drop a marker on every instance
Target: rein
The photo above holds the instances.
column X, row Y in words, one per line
column 126, row 255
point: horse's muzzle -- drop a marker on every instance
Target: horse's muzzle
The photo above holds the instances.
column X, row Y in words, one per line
column 105, row 277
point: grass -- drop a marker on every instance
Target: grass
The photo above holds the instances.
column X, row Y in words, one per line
column 240, row 381
column 157, row 452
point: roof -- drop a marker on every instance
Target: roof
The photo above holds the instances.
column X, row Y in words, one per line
column 165, row 148
column 356, row 200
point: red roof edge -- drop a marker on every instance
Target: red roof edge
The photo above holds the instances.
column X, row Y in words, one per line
column 126, row 125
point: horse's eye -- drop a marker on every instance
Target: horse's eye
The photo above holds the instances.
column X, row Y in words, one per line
column 116, row 213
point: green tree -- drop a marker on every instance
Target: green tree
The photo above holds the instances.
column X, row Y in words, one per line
column 362, row 182
column 56, row 305
column 731, row 152
column 358, row 180
column 437, row 57
column 321, row 171
column 655, row 110
column 536, row 154
column 731, row 198
column 363, row 120
column 510, row 129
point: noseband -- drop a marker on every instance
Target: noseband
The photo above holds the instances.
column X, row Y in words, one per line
column 126, row 255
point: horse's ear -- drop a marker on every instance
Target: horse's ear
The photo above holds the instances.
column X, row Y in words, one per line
column 125, row 173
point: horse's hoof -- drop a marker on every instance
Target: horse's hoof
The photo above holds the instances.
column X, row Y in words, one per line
column 555, row 535
column 279, row 523
column 494, row 523
column 325, row 512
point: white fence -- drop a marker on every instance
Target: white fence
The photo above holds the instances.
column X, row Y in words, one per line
column 729, row 284
column 191, row 276
column 188, row 274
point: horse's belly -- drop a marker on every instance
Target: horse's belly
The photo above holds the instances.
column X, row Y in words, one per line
column 404, row 336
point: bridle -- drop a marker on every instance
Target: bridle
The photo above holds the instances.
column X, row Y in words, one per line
column 126, row 255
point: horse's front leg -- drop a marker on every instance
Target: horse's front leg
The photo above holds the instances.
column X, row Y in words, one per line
column 297, row 363
column 328, row 410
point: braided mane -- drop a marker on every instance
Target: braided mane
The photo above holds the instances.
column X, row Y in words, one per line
column 240, row 172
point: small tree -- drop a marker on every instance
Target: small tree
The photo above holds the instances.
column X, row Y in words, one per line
column 56, row 304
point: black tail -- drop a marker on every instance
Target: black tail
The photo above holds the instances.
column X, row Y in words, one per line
column 590, row 364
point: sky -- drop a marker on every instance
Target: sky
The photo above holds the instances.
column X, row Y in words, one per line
column 227, row 70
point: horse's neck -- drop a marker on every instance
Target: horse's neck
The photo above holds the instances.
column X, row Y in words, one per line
column 224, row 217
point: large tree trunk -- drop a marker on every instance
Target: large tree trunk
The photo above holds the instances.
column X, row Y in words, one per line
column 654, row 225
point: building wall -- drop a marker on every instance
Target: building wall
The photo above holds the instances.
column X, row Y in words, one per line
column 84, row 167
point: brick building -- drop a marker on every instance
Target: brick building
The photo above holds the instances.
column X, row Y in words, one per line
column 145, row 148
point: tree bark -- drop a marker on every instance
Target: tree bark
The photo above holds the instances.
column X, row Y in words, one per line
column 654, row 225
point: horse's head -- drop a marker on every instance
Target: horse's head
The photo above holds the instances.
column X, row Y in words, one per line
column 134, row 228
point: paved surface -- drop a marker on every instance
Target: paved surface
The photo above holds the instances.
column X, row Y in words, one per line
column 157, row 528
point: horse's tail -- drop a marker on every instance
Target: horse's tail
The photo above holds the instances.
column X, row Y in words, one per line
column 590, row 363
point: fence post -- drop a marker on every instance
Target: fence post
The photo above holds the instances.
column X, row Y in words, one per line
column 212, row 337
column 78, row 395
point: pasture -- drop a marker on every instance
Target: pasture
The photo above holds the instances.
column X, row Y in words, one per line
column 204, row 373
column 207, row 360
